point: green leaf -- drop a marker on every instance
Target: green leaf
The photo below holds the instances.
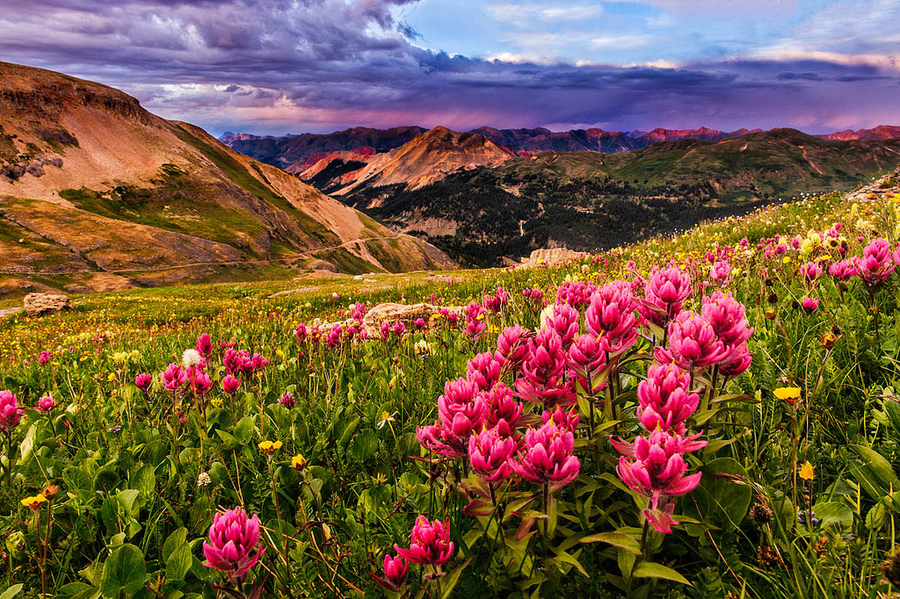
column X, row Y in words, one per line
column 348, row 433
column 834, row 513
column 654, row 570
column 452, row 578
column 179, row 563
column 567, row 558
column 229, row 441
column 124, row 570
column 874, row 474
column 364, row 445
column 145, row 481
column 720, row 499
column 173, row 542
column 12, row 591
column 243, row 430
column 616, row 539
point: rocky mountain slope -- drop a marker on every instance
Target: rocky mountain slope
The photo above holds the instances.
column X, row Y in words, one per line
column 427, row 158
column 97, row 193
column 588, row 200
column 294, row 153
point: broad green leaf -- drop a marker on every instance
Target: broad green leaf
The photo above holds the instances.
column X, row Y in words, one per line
column 450, row 580
column 364, row 445
column 721, row 499
column 834, row 513
column 173, row 542
column 567, row 558
column 616, row 539
column 179, row 563
column 124, row 570
column 654, row 570
column 12, row 591
column 229, row 440
column 243, row 430
column 874, row 474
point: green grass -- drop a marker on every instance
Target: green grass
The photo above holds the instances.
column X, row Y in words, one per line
column 242, row 178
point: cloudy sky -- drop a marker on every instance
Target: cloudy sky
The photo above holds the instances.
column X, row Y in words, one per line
column 291, row 66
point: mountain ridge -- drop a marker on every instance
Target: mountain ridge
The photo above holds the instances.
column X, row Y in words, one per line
column 91, row 182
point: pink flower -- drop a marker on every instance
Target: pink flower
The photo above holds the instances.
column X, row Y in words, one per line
column 204, row 345
column 564, row 320
column 809, row 305
column 45, row 357
column 10, row 412
column 287, row 400
column 484, row 370
column 395, row 572
column 665, row 401
column 875, row 265
column 200, row 381
column 430, row 543
column 547, row 457
column 503, row 411
column 461, row 411
column 719, row 273
column 810, row 271
column 512, row 345
column 842, row 270
column 143, row 381
column 665, row 295
column 562, row 418
column 544, row 372
column 419, row 323
column 726, row 316
column 230, row 384
column 693, row 343
column 475, row 325
column 738, row 360
column 232, row 539
column 577, row 295
column 301, row 332
column 654, row 467
column 173, row 377
column 587, row 358
column 45, row 404
column 896, row 254
column 489, row 453
column 611, row 314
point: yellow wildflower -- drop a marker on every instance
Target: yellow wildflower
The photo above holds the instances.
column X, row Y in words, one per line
column 788, row 394
column 298, row 462
column 807, row 472
column 270, row 447
column 34, row 501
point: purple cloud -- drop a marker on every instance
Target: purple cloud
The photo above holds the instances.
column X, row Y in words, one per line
column 275, row 66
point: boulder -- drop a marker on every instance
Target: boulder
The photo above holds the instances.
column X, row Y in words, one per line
column 550, row 256
column 37, row 304
column 407, row 314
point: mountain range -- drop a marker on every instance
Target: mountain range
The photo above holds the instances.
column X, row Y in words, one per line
column 483, row 205
column 97, row 193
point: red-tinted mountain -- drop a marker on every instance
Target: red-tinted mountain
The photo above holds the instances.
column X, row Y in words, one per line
column 292, row 152
column 879, row 132
column 529, row 141
column 427, row 158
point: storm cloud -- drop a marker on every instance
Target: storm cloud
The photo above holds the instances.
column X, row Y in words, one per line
column 277, row 66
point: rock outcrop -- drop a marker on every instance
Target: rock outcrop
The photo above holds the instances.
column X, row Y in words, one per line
column 38, row 304
column 407, row 314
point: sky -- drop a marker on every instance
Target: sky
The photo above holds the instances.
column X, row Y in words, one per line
column 294, row 66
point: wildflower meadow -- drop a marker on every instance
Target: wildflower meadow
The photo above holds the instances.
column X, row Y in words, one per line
column 713, row 414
